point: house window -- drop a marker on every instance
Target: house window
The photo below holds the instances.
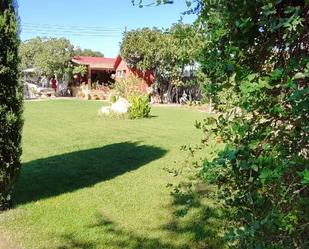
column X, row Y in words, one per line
column 119, row 73
column 124, row 73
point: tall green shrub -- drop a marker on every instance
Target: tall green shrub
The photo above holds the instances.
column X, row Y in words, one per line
column 258, row 51
column 257, row 60
column 11, row 101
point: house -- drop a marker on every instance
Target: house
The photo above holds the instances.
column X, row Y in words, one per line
column 106, row 70
column 123, row 71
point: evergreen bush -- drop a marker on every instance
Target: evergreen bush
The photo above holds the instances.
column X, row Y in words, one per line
column 11, row 101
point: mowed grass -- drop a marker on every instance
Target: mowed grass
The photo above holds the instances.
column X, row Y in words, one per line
column 89, row 182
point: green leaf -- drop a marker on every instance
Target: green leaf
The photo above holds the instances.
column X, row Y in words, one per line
column 276, row 74
column 299, row 76
column 305, row 177
column 251, row 77
column 255, row 168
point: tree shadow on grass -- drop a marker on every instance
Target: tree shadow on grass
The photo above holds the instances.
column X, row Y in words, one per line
column 203, row 231
column 194, row 225
column 197, row 216
column 110, row 235
column 65, row 173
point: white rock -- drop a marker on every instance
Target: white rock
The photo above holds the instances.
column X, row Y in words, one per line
column 121, row 106
column 105, row 110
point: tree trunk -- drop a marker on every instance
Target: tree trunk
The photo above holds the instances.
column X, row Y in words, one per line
column 169, row 93
column 161, row 93
column 210, row 105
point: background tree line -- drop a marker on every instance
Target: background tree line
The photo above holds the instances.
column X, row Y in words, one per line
column 51, row 55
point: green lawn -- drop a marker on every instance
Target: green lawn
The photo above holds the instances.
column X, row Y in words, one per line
column 89, row 182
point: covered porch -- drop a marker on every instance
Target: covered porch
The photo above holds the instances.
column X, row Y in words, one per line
column 100, row 70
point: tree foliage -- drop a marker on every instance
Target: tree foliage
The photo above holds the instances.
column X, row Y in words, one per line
column 48, row 55
column 257, row 52
column 142, row 3
column 10, row 102
column 80, row 69
column 165, row 52
column 87, row 52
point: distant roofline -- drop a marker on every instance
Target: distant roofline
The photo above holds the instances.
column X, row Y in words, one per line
column 95, row 62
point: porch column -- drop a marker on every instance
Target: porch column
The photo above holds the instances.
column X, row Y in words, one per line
column 89, row 78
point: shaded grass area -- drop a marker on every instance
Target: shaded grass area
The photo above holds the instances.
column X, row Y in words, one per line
column 115, row 237
column 89, row 182
column 72, row 171
column 195, row 213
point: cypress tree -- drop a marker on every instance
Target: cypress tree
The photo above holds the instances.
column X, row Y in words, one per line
column 11, row 101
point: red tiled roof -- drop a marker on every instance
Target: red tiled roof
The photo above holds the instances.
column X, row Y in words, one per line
column 95, row 61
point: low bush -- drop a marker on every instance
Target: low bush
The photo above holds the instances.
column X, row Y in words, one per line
column 140, row 107
column 113, row 98
column 126, row 87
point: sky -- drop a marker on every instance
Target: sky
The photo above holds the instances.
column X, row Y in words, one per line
column 94, row 24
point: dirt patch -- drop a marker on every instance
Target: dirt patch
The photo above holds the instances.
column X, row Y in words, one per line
column 4, row 244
